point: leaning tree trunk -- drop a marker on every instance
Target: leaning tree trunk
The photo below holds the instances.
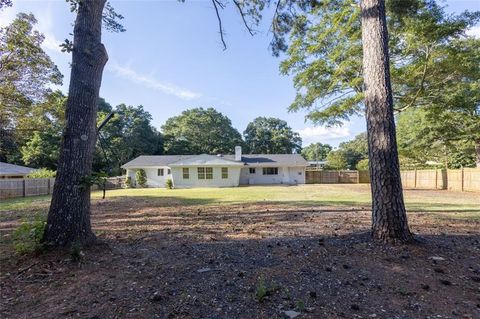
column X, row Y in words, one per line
column 389, row 218
column 69, row 215
column 477, row 153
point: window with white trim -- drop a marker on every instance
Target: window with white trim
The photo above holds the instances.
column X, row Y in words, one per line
column 209, row 172
column 160, row 172
column 201, row 172
column 224, row 172
column 251, row 170
column 205, row 172
column 186, row 173
column 270, row 171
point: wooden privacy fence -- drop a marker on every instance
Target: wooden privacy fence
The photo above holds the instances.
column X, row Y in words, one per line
column 10, row 188
column 17, row 187
column 336, row 177
column 465, row 179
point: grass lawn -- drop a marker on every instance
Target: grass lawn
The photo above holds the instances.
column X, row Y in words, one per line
column 248, row 252
column 465, row 205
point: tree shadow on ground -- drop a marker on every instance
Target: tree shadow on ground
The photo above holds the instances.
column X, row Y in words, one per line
column 162, row 274
column 252, row 260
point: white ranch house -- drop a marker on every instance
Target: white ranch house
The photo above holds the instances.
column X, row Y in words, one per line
column 188, row 171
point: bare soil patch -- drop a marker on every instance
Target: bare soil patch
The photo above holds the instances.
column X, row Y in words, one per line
column 247, row 261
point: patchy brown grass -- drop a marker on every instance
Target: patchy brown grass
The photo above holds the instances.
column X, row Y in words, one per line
column 178, row 260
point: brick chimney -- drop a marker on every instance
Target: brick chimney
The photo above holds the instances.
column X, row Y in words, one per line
column 238, row 153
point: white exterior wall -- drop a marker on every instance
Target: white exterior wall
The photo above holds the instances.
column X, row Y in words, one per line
column 236, row 176
column 153, row 180
column 217, row 181
column 286, row 175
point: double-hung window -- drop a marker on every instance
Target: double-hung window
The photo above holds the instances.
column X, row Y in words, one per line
column 270, row 171
column 205, row 172
column 224, row 172
column 160, row 172
column 186, row 173
column 208, row 172
column 251, row 170
column 201, row 172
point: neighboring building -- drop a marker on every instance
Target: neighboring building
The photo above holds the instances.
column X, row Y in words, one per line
column 14, row 171
column 187, row 171
column 319, row 164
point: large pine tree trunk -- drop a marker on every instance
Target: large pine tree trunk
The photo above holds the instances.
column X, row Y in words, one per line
column 477, row 152
column 69, row 215
column 389, row 218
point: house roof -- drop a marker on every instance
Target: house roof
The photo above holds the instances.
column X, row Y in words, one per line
column 12, row 169
column 205, row 159
column 252, row 160
column 154, row 160
column 263, row 160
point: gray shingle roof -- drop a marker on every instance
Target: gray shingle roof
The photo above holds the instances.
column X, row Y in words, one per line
column 259, row 160
column 11, row 169
column 207, row 160
column 274, row 159
column 154, row 160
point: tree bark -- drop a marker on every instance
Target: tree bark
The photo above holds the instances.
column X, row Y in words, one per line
column 477, row 153
column 69, row 215
column 389, row 218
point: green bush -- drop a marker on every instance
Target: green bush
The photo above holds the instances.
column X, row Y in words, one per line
column 362, row 165
column 128, row 182
column 27, row 237
column 141, row 177
column 42, row 173
column 169, row 183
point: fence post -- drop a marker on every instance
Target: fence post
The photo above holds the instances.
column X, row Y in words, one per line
column 462, row 179
column 436, row 178
column 415, row 179
column 48, row 186
column 24, row 188
column 358, row 177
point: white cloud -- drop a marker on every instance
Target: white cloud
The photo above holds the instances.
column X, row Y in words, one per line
column 474, row 32
column 150, row 82
column 51, row 43
column 324, row 134
column 46, row 26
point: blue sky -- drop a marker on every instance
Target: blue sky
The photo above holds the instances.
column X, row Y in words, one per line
column 171, row 59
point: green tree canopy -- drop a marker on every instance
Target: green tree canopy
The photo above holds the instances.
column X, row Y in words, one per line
column 42, row 130
column 316, row 152
column 349, row 154
column 428, row 138
column 198, row 131
column 270, row 135
column 336, row 160
column 325, row 56
column 127, row 135
column 26, row 74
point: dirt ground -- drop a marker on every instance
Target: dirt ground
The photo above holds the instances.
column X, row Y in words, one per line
column 247, row 261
